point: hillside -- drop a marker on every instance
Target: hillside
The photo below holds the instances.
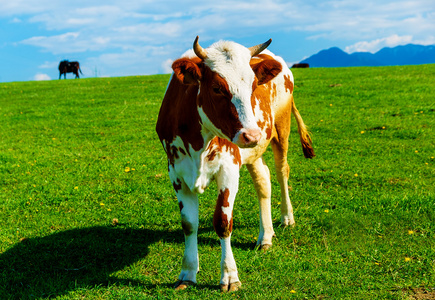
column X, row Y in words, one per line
column 400, row 55
column 88, row 211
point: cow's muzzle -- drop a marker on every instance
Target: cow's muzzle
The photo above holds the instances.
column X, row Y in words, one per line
column 247, row 138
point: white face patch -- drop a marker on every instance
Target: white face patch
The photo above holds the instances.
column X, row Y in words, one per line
column 231, row 62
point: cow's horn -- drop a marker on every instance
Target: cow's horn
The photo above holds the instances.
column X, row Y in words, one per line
column 199, row 51
column 257, row 49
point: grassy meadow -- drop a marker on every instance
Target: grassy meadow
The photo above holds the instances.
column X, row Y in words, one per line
column 87, row 210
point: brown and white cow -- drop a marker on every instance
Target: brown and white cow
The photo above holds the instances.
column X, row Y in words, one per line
column 223, row 106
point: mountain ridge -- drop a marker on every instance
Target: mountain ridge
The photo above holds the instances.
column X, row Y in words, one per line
column 410, row 54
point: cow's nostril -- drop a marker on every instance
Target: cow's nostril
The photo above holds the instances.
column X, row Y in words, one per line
column 246, row 138
column 249, row 138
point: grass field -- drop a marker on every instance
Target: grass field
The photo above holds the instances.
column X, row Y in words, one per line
column 87, row 210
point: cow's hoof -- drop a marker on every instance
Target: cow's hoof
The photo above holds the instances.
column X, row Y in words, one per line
column 232, row 287
column 287, row 222
column 183, row 284
column 265, row 247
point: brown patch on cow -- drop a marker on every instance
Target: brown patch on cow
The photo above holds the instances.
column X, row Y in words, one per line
column 219, row 145
column 177, row 185
column 262, row 97
column 179, row 116
column 212, row 152
column 288, row 84
column 180, row 205
column 187, row 227
column 269, row 132
column 187, row 71
column 265, row 68
column 222, row 225
column 274, row 90
column 215, row 100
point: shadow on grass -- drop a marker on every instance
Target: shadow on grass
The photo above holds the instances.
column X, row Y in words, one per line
column 53, row 265
column 80, row 258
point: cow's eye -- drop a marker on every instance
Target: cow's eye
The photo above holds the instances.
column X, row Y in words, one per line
column 217, row 90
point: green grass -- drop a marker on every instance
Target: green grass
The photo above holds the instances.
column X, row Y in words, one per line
column 77, row 154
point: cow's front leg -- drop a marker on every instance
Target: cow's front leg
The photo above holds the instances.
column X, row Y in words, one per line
column 188, row 204
column 223, row 224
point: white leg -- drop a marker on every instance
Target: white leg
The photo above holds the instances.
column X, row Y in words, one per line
column 188, row 204
column 229, row 275
column 228, row 182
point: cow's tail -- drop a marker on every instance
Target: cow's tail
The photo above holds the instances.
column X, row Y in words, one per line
column 303, row 133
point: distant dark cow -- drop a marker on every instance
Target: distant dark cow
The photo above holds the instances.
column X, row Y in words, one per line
column 303, row 65
column 69, row 67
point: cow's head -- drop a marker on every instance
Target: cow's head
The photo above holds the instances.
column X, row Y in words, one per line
column 226, row 83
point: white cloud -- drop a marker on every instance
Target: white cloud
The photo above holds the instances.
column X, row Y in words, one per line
column 41, row 76
column 70, row 42
column 390, row 41
column 130, row 25
column 142, row 36
column 167, row 66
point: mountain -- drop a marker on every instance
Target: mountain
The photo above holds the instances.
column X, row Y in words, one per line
column 400, row 55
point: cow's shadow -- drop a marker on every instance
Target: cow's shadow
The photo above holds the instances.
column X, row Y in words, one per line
column 55, row 264
column 64, row 261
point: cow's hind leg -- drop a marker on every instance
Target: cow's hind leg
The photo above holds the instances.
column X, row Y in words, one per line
column 261, row 176
column 280, row 148
column 188, row 204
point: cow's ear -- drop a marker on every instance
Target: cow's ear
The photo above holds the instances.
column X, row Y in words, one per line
column 266, row 70
column 187, row 70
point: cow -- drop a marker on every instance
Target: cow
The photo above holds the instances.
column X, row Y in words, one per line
column 66, row 66
column 301, row 65
column 223, row 106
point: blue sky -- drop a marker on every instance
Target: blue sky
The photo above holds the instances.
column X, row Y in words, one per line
column 132, row 37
